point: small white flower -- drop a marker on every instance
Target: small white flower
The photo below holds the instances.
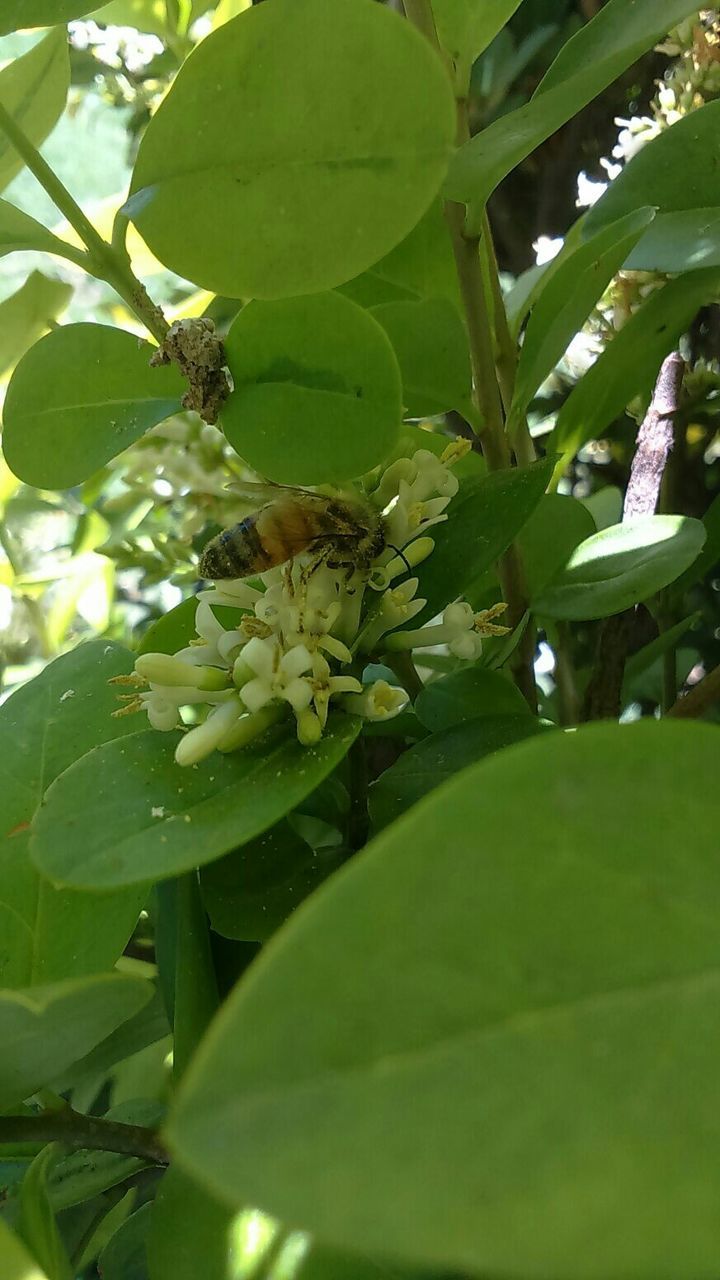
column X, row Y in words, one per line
column 201, row 741
column 378, row 701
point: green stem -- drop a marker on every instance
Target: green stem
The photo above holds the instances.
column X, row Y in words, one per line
column 104, row 261
column 196, row 994
column 80, row 1133
column 506, row 354
column 404, row 668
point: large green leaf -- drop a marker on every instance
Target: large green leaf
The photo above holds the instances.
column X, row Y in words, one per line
column 466, row 27
column 40, row 13
column 317, row 391
column 594, row 57
column 45, row 1029
column 147, row 15
column 33, row 89
column 629, row 365
column 354, row 134
column 566, row 301
column 621, row 566
column 251, row 891
column 556, row 527
column 677, row 173
column 18, row 1264
column 465, row 695
column 65, row 711
column 191, row 1233
column 78, row 398
column 503, row 1018
column 27, row 314
column 429, row 763
column 431, row 346
column 144, row 818
column 483, row 518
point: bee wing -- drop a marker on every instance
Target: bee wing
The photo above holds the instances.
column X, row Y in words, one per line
column 268, row 491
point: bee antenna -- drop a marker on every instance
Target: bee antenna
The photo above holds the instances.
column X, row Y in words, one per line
column 399, row 553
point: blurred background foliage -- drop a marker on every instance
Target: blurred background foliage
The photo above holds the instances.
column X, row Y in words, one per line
column 113, row 554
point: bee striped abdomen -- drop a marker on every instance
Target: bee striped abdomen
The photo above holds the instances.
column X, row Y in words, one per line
column 236, row 552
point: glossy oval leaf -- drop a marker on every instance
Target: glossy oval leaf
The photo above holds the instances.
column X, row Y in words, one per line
column 46, row 1029
column 51, row 933
column 355, row 134
column 536, row 1008
column 36, row 1223
column 33, row 89
column 78, row 398
column 676, row 172
column 565, row 302
column 483, row 518
column 428, row 764
column 430, row 342
column 629, row 364
column 125, row 1254
column 18, row 14
column 556, row 527
column 621, row 566
column 589, row 61
column 317, row 391
column 161, row 819
column 465, row 695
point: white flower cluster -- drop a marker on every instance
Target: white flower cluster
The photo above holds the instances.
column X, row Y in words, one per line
column 303, row 633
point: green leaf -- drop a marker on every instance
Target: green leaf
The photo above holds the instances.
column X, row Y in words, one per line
column 465, row 695
column 40, row 13
column 18, row 231
column 148, row 1027
column 79, row 397
column 556, row 527
column 125, row 1254
column 565, row 302
column 621, row 566
column 423, row 262
column 483, row 518
column 27, row 314
column 82, row 1175
column 465, row 28
column 17, row 1262
column 431, row 346
column 592, row 59
column 45, row 1029
column 251, row 891
column 145, row 15
column 317, row 393
column 45, row 726
column 676, row 172
column 164, row 820
column 36, row 1222
column 429, row 763
column 33, row 89
column 629, row 365
column 530, row 1002
column 356, row 133
column 191, row 1233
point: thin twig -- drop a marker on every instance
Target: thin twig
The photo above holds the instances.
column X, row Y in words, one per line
column 654, row 440
column 80, row 1132
column 104, row 260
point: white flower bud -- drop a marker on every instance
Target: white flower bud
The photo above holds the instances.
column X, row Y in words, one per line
column 163, row 669
column 201, row 741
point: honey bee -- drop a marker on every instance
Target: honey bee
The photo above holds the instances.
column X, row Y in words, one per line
column 342, row 532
